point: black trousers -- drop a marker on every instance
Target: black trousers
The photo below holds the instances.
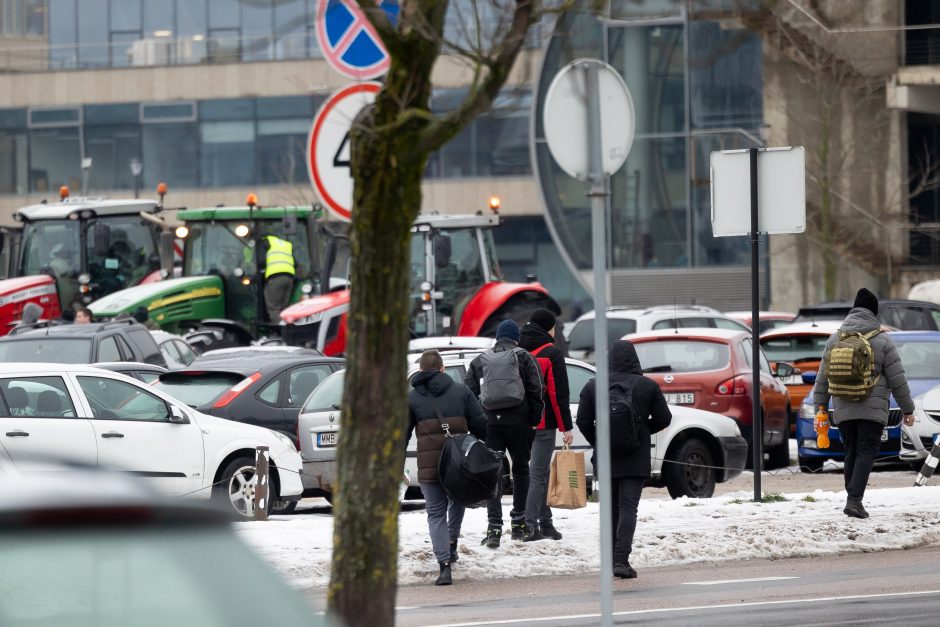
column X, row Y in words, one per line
column 517, row 441
column 627, row 492
column 862, row 440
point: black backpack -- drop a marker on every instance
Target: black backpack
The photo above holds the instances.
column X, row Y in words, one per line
column 626, row 426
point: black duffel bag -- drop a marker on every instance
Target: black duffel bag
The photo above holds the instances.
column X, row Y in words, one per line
column 469, row 471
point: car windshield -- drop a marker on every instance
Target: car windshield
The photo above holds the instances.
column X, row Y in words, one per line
column 328, row 395
column 87, row 576
column 197, row 389
column 682, row 355
column 795, row 347
column 47, row 349
column 921, row 359
column 582, row 335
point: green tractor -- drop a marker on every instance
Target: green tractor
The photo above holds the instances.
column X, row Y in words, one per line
column 219, row 298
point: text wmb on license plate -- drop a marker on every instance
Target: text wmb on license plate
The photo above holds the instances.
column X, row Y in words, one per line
column 327, row 439
column 680, row 398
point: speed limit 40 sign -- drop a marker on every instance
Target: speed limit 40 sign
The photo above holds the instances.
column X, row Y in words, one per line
column 328, row 146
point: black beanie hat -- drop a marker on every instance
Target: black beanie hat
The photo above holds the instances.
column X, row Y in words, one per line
column 543, row 318
column 867, row 299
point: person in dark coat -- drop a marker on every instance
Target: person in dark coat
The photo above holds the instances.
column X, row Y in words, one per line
column 628, row 472
column 861, row 422
column 538, row 337
column 434, row 395
column 511, row 430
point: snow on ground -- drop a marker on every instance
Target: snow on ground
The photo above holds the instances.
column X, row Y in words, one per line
column 729, row 527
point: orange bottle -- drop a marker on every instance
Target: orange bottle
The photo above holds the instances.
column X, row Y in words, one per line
column 821, row 425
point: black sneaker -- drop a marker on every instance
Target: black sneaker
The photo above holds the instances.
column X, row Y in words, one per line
column 548, row 530
column 491, row 541
column 532, row 534
column 624, row 571
column 518, row 530
column 453, row 552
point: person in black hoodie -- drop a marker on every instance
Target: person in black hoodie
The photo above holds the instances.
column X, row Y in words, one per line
column 628, row 472
column 510, row 429
column 435, row 395
column 538, row 337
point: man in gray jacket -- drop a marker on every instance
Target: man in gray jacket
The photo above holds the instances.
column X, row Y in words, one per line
column 861, row 422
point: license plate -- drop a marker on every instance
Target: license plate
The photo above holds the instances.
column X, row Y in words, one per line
column 884, row 435
column 327, row 439
column 793, row 379
column 682, row 398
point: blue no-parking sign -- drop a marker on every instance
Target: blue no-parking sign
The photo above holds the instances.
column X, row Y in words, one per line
column 348, row 41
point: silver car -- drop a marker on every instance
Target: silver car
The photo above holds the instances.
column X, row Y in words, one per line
column 687, row 457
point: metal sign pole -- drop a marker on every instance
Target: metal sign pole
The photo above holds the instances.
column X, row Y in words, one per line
column 598, row 195
column 757, row 422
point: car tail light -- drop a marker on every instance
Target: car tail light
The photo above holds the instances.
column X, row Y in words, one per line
column 735, row 386
column 237, row 389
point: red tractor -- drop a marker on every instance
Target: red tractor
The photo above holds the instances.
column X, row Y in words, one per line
column 456, row 287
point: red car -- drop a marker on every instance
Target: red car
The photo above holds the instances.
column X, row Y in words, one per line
column 710, row 369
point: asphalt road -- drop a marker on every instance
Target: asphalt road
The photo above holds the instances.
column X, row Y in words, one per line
column 899, row 587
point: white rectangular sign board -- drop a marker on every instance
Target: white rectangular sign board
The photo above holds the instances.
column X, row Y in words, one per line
column 781, row 191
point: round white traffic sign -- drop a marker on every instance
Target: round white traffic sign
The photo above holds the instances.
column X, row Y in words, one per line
column 566, row 113
column 328, row 146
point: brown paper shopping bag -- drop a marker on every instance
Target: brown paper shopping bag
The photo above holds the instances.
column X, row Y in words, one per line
column 566, row 486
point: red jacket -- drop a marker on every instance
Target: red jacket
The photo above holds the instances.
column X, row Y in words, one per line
column 551, row 361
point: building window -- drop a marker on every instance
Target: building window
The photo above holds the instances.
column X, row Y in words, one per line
column 227, row 153
column 55, row 158
column 170, row 155
column 113, row 141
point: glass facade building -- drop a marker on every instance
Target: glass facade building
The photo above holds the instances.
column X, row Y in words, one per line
column 697, row 87
column 217, row 143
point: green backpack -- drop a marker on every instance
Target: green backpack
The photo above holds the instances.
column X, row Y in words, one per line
column 851, row 363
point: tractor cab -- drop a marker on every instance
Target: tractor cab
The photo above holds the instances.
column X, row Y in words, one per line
column 229, row 242
column 91, row 247
column 452, row 257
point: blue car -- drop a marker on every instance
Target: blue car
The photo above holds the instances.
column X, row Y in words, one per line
column 920, row 354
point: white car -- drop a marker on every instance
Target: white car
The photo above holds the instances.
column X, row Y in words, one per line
column 917, row 440
column 686, row 456
column 101, row 418
column 623, row 321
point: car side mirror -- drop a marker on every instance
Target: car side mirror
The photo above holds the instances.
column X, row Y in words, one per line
column 177, row 416
column 783, row 370
column 102, row 239
column 809, row 378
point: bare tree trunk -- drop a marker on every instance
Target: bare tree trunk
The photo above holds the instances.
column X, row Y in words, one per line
column 364, row 575
column 391, row 142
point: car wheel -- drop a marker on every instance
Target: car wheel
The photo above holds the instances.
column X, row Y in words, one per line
column 237, row 488
column 811, row 464
column 284, row 507
column 687, row 472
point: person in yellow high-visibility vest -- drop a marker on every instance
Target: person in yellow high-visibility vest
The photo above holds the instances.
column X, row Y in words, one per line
column 278, row 276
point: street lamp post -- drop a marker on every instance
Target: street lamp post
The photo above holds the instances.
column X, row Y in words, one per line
column 137, row 168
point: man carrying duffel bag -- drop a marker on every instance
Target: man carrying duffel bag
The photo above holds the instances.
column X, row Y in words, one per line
column 435, row 395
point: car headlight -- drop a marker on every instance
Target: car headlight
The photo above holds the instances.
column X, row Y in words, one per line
column 807, row 412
